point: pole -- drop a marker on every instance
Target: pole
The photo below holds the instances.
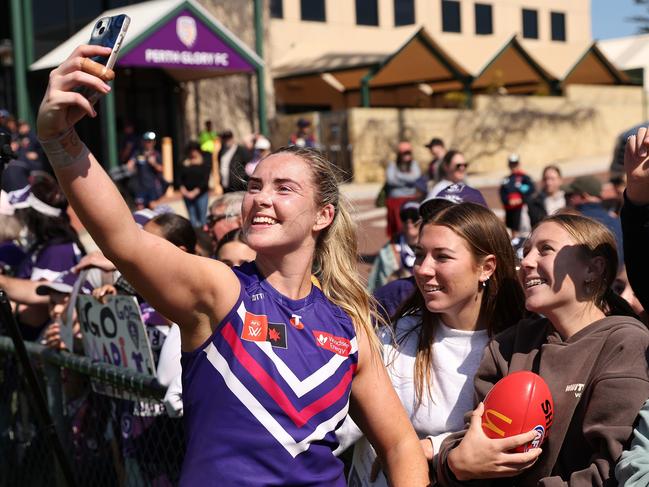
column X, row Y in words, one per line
column 110, row 132
column 29, row 32
column 22, row 95
column 261, row 73
column 365, row 92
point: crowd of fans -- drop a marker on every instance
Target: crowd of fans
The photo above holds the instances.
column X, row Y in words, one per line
column 463, row 296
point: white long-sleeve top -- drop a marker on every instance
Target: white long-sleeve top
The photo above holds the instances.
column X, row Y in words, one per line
column 170, row 371
column 456, row 355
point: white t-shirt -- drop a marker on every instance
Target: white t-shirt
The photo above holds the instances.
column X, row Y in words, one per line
column 456, row 355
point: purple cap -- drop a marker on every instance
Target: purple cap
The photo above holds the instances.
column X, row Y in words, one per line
column 142, row 217
column 62, row 284
column 461, row 193
column 19, row 198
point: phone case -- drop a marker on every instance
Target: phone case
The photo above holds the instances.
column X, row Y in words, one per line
column 107, row 32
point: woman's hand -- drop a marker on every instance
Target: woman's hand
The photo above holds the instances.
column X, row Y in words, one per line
column 636, row 166
column 480, row 457
column 429, row 451
column 62, row 107
column 52, row 337
column 101, row 293
column 94, row 259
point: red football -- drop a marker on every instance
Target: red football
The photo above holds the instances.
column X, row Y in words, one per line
column 518, row 403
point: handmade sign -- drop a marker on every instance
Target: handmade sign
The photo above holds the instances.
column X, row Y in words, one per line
column 114, row 333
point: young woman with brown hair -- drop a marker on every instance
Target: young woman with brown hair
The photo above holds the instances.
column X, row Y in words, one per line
column 467, row 292
column 271, row 363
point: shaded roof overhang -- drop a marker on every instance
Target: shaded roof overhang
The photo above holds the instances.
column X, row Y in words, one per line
column 593, row 67
column 198, row 46
column 345, row 77
column 513, row 68
column 419, row 60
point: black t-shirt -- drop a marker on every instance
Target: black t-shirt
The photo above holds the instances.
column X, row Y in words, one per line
column 197, row 175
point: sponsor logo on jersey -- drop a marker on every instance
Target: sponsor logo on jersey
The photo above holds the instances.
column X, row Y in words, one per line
column 337, row 345
column 296, row 322
column 255, row 327
column 277, row 335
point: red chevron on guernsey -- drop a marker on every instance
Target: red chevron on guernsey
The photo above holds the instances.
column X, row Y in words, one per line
column 300, row 418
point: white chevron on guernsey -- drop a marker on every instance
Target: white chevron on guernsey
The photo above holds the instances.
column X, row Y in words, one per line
column 262, row 415
column 301, row 387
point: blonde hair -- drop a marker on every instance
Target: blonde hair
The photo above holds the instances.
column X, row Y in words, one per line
column 336, row 253
column 10, row 227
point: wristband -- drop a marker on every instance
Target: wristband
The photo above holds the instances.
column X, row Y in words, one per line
column 65, row 150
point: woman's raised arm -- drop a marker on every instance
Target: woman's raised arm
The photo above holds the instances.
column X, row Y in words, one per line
column 191, row 291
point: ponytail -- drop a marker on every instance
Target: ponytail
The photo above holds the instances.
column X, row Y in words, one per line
column 334, row 264
column 617, row 305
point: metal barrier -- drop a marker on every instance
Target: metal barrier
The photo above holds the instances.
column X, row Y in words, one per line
column 109, row 441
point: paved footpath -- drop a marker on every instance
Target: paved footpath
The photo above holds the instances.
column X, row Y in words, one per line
column 372, row 221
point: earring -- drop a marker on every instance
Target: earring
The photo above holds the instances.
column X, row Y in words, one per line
column 484, row 283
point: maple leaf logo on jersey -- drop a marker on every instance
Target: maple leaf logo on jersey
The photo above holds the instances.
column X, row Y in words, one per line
column 277, row 335
column 273, row 335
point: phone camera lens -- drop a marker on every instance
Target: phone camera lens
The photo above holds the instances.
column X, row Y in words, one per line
column 99, row 24
column 102, row 30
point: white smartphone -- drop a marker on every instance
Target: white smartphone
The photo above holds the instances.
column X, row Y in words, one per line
column 107, row 32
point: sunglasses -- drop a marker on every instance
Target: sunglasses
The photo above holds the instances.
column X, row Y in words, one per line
column 463, row 165
column 214, row 219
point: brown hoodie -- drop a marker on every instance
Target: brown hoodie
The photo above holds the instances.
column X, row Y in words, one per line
column 599, row 380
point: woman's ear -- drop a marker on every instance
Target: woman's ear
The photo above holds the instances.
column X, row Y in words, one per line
column 487, row 267
column 324, row 217
column 596, row 268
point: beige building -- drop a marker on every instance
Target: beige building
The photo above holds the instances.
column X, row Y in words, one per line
column 325, row 53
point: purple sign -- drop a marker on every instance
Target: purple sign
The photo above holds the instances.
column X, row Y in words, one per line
column 185, row 42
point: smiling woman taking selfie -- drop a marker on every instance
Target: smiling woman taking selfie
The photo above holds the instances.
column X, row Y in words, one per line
column 271, row 363
column 591, row 353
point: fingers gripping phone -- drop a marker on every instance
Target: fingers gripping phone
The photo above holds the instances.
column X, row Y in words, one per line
column 107, row 32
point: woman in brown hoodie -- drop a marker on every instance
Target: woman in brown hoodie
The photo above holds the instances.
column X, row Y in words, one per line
column 591, row 354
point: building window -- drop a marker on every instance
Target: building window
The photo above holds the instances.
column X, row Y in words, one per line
column 451, row 16
column 558, row 21
column 530, row 24
column 313, row 10
column 367, row 12
column 276, row 9
column 404, row 12
column 483, row 19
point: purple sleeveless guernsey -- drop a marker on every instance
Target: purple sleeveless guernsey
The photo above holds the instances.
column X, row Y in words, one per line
column 265, row 393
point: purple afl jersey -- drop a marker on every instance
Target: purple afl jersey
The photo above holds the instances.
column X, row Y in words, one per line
column 264, row 395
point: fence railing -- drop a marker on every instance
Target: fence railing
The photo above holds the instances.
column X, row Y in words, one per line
column 109, row 441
